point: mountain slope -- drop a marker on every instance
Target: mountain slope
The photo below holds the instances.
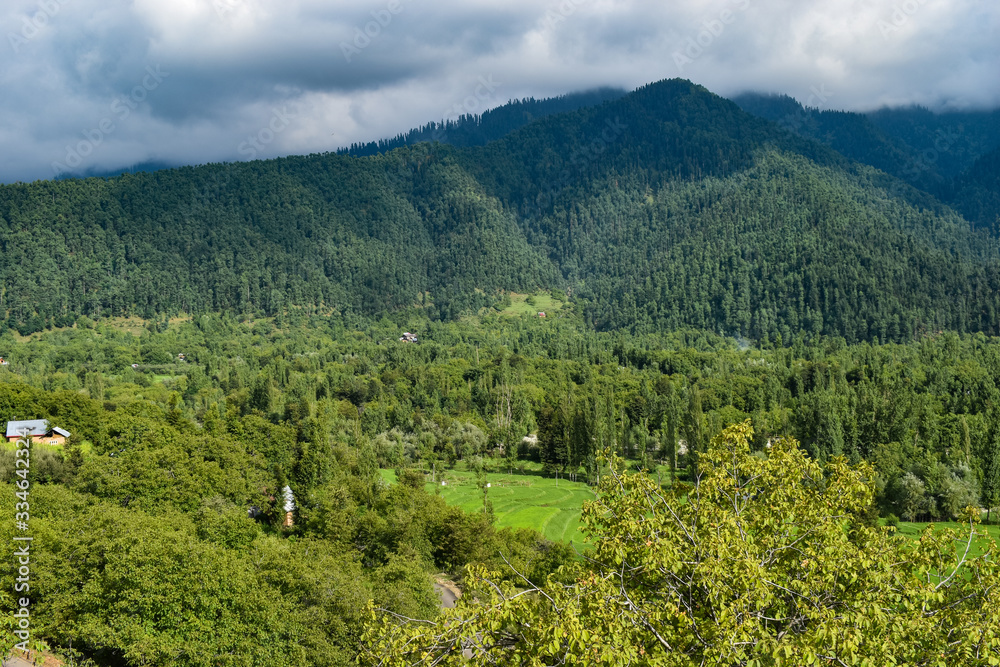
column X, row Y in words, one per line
column 364, row 236
column 685, row 211
column 477, row 130
column 669, row 207
column 977, row 193
column 927, row 150
column 854, row 135
column 948, row 142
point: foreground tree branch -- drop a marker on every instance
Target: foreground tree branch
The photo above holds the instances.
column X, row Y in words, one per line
column 790, row 574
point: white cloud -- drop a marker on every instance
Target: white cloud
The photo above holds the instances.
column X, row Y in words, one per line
column 232, row 63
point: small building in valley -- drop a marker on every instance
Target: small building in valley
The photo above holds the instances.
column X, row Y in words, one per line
column 39, row 430
column 409, row 337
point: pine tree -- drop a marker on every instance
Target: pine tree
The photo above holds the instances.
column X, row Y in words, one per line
column 694, row 427
column 668, row 432
column 991, row 467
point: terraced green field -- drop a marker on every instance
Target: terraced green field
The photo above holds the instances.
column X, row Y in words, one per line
column 532, row 501
column 520, row 501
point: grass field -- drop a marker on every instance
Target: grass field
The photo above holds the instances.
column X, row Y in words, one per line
column 519, row 501
column 913, row 530
column 533, row 501
column 544, row 303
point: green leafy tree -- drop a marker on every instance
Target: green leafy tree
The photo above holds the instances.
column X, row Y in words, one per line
column 910, row 496
column 668, row 432
column 764, row 563
column 694, row 426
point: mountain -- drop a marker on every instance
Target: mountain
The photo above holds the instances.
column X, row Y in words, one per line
column 364, row 236
column 668, row 207
column 697, row 214
column 854, row 135
column 948, row 142
column 977, row 192
column 476, row 130
column 927, row 150
column 132, row 169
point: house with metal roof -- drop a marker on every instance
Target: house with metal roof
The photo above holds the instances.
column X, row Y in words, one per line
column 39, row 430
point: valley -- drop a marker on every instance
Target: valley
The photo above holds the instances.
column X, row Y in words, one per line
column 709, row 368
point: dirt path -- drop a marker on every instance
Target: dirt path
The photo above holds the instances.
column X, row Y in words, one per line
column 33, row 660
column 448, row 591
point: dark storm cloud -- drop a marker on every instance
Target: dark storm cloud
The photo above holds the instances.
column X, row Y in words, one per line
column 105, row 84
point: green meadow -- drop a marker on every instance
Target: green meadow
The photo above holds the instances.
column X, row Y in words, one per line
column 550, row 506
column 913, row 531
column 553, row 509
column 543, row 303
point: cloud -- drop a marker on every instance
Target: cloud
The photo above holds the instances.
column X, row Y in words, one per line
column 336, row 72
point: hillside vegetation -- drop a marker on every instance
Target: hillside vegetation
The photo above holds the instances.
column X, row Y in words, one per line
column 666, row 208
column 801, row 340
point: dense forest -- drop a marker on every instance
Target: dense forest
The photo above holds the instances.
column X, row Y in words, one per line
column 167, row 454
column 768, row 307
column 669, row 207
column 465, row 128
column 951, row 155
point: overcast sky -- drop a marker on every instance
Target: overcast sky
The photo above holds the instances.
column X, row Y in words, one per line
column 103, row 84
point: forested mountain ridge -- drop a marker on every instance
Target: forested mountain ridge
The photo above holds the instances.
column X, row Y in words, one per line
column 851, row 134
column 349, row 234
column 977, row 192
column 936, row 152
column 730, row 223
column 950, row 141
column 668, row 207
column 470, row 129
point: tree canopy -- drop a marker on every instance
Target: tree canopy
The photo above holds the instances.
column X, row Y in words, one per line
column 765, row 560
